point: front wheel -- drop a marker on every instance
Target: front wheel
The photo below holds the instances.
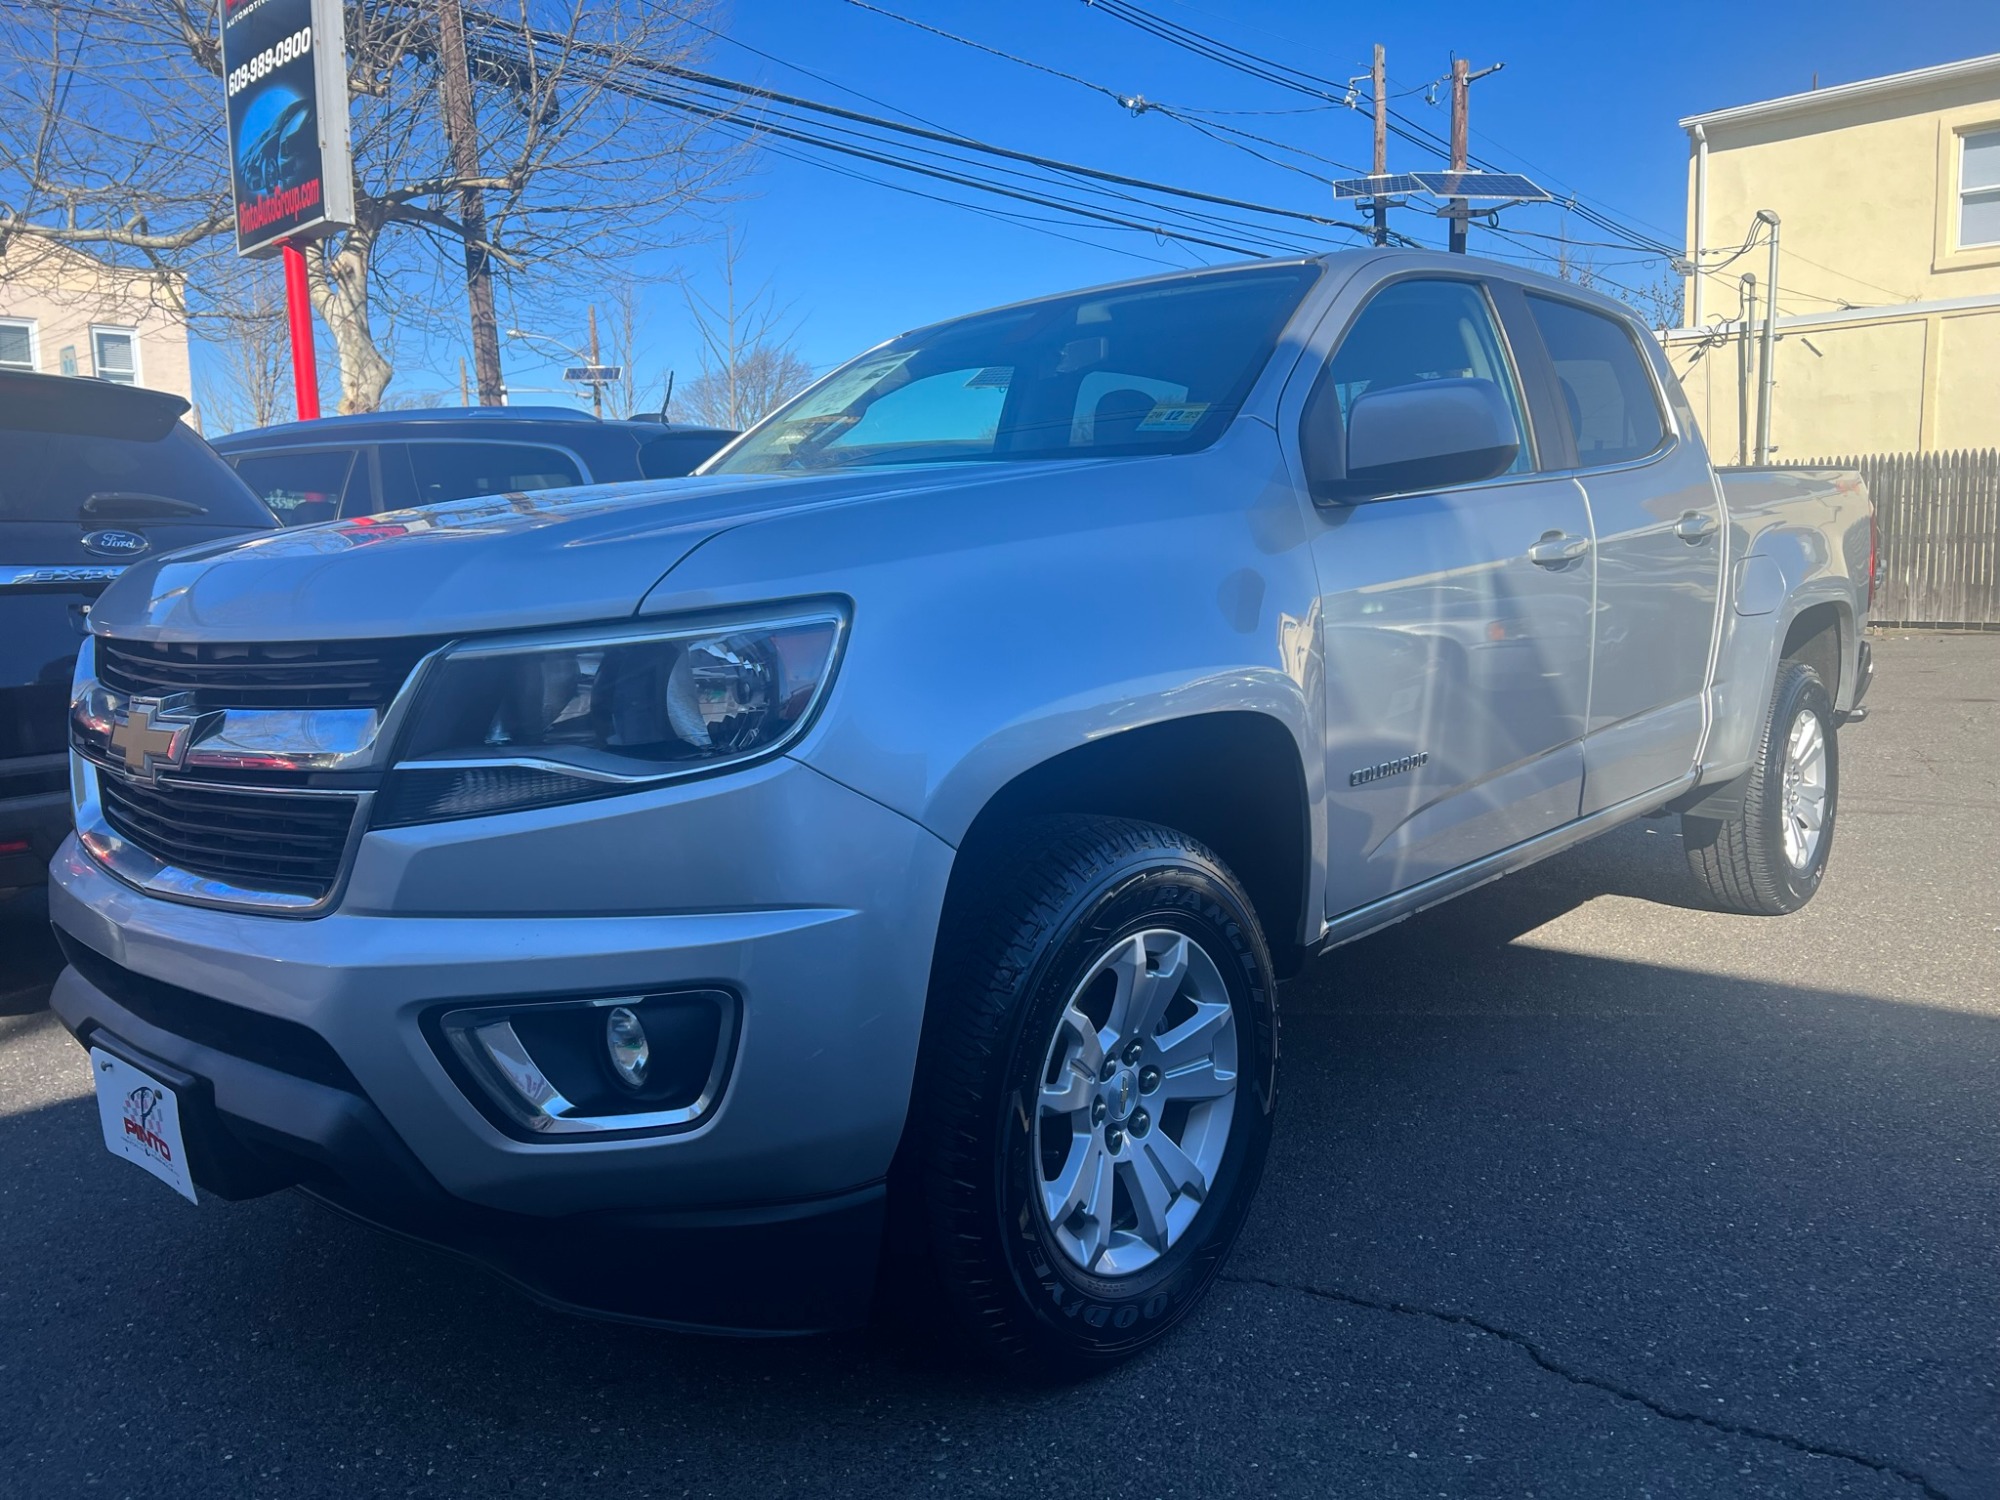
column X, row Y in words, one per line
column 1095, row 1093
column 1767, row 856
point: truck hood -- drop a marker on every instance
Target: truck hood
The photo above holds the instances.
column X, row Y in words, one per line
column 497, row 562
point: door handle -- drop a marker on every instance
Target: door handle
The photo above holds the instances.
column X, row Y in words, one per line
column 1556, row 548
column 1696, row 526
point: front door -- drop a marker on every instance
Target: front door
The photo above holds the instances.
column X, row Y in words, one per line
column 1659, row 538
column 1456, row 626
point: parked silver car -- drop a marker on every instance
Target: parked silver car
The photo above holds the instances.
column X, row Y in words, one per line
column 860, row 874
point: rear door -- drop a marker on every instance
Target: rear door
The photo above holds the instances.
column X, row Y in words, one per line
column 1457, row 664
column 1659, row 551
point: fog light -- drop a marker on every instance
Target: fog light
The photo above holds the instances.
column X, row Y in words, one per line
column 625, row 1039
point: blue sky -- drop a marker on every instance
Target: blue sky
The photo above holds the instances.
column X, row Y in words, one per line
column 1587, row 103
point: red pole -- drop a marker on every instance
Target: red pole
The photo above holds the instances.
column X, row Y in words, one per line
column 298, row 311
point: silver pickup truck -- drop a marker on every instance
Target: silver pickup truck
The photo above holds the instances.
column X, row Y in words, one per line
column 858, row 876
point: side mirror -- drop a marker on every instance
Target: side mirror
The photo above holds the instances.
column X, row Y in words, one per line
column 1423, row 437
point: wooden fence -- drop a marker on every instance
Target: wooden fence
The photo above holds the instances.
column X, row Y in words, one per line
column 1939, row 531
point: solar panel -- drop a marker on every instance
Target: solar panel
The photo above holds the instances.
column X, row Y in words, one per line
column 1479, row 185
column 1382, row 185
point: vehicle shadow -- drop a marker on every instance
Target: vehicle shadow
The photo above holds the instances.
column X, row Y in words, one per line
column 1607, row 1190
column 29, row 958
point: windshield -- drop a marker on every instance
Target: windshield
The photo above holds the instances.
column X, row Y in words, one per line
column 1156, row 368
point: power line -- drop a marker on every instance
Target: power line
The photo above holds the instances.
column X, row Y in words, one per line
column 729, row 117
column 948, row 138
column 1136, row 104
column 1246, row 240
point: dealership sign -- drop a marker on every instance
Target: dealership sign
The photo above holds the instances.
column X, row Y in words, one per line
column 284, row 66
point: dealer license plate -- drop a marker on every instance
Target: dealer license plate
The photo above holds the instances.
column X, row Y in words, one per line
column 141, row 1119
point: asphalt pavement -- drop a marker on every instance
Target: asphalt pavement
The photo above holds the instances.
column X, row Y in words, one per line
column 1579, row 1190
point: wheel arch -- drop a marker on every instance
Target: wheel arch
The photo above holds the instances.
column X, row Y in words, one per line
column 1820, row 635
column 1234, row 780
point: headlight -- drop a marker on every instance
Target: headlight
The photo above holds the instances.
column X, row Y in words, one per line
column 503, row 725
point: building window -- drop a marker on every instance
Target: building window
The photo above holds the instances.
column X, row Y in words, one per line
column 115, row 352
column 17, row 344
column 1979, row 189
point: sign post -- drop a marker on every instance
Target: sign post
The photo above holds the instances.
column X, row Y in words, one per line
column 291, row 174
column 298, row 313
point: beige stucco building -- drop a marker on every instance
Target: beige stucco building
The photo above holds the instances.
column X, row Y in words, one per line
column 63, row 312
column 1887, row 193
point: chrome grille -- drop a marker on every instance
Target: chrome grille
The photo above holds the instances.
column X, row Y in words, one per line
column 284, row 674
column 284, row 841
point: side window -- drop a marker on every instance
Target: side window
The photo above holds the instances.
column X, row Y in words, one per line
column 1614, row 409
column 302, row 486
column 454, row 471
column 1413, row 331
column 17, row 344
column 115, row 352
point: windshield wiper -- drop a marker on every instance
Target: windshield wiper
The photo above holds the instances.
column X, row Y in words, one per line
column 137, row 505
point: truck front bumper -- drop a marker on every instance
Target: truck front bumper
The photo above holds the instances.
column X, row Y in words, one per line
column 311, row 1053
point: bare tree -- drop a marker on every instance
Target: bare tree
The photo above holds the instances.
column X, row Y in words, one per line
column 1658, row 300
column 641, row 386
column 748, row 365
column 248, row 384
column 112, row 139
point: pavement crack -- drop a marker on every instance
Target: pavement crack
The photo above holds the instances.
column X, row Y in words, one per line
column 1554, row 1366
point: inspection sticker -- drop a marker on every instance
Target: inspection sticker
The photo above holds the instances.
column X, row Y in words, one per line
column 1170, row 417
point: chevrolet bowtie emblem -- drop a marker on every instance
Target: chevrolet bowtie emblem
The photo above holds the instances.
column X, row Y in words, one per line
column 156, row 732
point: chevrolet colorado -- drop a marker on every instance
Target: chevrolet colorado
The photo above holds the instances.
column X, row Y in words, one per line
column 859, row 874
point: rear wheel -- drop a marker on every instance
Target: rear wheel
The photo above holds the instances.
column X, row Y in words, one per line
column 1767, row 855
column 1095, row 1092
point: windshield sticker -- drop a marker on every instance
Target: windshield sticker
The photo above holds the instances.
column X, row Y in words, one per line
column 1174, row 416
column 1001, row 376
column 845, row 387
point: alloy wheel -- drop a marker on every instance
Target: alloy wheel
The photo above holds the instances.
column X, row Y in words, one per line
column 1138, row 1090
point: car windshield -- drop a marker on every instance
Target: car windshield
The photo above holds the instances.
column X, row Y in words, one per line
column 1161, row 367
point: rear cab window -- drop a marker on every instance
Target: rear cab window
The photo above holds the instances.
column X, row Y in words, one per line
column 1612, row 403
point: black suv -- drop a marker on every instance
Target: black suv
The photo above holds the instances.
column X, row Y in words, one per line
column 92, row 475
column 360, row 465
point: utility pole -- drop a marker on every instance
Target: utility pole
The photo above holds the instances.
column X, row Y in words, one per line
column 596, row 386
column 1769, row 373
column 1461, row 101
column 1743, row 367
column 464, row 136
column 1462, row 79
column 1381, row 141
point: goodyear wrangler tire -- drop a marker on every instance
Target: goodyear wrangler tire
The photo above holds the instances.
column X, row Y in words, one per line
column 1095, row 1092
column 1766, row 856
